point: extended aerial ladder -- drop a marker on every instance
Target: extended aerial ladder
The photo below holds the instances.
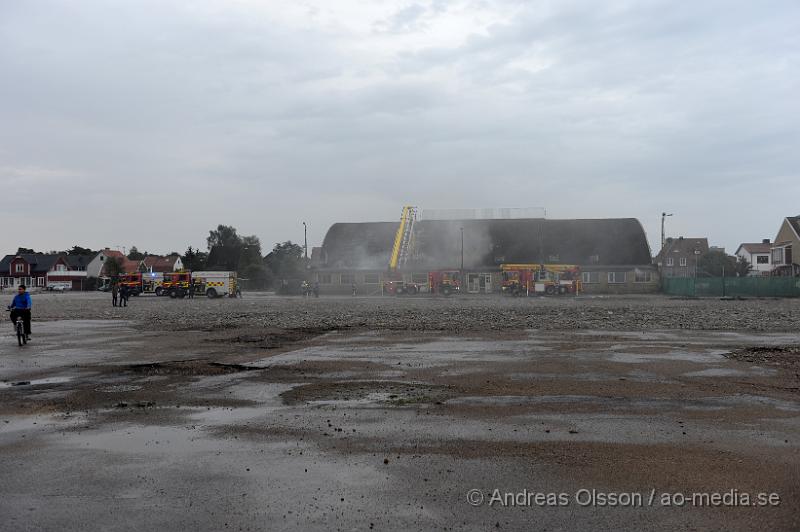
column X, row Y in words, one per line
column 403, row 238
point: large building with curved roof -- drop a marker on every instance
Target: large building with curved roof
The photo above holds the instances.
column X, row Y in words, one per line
column 613, row 254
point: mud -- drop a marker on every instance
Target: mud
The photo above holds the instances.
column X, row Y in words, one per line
column 190, row 423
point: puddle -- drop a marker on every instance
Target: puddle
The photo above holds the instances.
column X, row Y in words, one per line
column 35, row 382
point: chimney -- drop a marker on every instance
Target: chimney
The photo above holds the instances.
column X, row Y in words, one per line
column 765, row 241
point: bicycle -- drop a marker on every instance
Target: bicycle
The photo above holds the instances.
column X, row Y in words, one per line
column 19, row 327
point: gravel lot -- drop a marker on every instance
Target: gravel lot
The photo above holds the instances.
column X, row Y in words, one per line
column 457, row 313
column 272, row 413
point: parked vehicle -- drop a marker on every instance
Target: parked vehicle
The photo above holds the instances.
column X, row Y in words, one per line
column 212, row 284
column 540, row 279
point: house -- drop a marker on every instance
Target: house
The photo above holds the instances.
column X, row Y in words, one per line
column 784, row 260
column 157, row 264
column 679, row 256
column 97, row 266
column 39, row 270
column 613, row 254
column 758, row 255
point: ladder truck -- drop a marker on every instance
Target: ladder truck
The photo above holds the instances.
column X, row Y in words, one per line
column 401, row 249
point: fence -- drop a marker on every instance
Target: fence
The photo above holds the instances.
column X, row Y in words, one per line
column 732, row 286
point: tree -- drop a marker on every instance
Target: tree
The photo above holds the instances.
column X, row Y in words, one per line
column 256, row 276
column 743, row 267
column 250, row 252
column 715, row 263
column 135, row 254
column 286, row 260
column 113, row 267
column 223, row 235
column 194, row 259
column 25, row 251
column 78, row 250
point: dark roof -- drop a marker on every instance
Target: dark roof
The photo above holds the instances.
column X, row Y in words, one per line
column 79, row 261
column 39, row 261
column 794, row 221
column 682, row 245
column 755, row 247
column 489, row 243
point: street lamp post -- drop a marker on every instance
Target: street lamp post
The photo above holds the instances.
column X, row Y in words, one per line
column 663, row 237
column 305, row 240
column 462, row 251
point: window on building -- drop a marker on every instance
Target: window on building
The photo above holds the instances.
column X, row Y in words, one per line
column 19, row 267
column 371, row 278
column 683, row 261
column 762, row 259
column 590, row 277
column 324, row 278
column 787, row 255
column 419, row 278
column 347, row 278
column 643, row 276
column 777, row 256
column 594, row 259
column 670, row 261
column 61, row 268
column 617, row 277
column 552, row 258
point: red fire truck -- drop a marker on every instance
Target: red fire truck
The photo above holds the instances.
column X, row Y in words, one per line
column 540, row 279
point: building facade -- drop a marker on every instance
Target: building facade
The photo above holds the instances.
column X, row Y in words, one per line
column 785, row 250
column 613, row 254
column 758, row 254
column 680, row 256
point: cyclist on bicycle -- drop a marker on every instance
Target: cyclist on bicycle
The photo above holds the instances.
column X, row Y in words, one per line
column 21, row 306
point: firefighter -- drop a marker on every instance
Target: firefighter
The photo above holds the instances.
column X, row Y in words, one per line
column 191, row 289
column 114, row 294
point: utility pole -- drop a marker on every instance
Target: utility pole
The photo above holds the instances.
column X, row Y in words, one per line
column 462, row 251
column 305, row 240
column 663, row 237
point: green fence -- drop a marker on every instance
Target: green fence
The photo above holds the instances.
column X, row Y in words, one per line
column 732, row 286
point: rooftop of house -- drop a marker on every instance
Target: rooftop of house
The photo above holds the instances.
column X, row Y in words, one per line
column 682, row 246
column 40, row 262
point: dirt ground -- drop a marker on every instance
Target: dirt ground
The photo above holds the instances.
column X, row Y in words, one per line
column 465, row 413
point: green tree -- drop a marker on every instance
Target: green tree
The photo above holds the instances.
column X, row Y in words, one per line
column 743, row 267
column 250, row 252
column 194, row 259
column 78, row 250
column 113, row 267
column 715, row 263
column 135, row 254
column 285, row 261
column 25, row 251
column 223, row 235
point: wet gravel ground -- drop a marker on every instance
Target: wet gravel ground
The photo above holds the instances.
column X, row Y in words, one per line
column 456, row 313
column 271, row 413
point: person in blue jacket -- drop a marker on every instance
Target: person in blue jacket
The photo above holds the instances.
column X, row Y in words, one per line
column 21, row 306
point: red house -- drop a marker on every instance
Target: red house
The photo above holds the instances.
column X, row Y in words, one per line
column 38, row 270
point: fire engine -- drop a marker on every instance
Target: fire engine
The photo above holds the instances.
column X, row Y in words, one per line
column 141, row 283
column 212, row 284
column 444, row 282
column 533, row 279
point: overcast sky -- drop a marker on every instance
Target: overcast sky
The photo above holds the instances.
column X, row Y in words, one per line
column 150, row 122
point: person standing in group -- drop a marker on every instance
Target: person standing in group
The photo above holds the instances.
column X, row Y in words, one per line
column 191, row 289
column 114, row 294
column 123, row 296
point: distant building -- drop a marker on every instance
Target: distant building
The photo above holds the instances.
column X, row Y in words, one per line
column 680, row 256
column 784, row 260
column 759, row 256
column 157, row 264
column 97, row 266
column 40, row 270
column 613, row 254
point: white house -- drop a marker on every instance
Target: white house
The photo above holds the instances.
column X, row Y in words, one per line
column 758, row 255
